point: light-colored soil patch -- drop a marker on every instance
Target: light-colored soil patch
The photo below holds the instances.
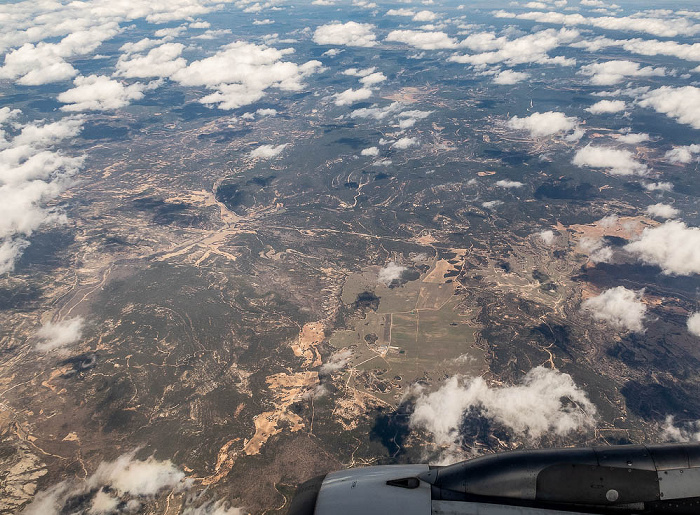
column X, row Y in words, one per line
column 306, row 345
column 287, row 389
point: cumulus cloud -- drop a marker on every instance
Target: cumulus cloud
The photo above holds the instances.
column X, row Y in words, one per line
column 683, row 103
column 424, row 40
column 162, row 61
column 346, row 34
column 619, row 307
column 350, row 96
column 682, row 155
column 662, row 211
column 596, row 249
column 505, row 183
column 650, row 47
column 688, row 432
column 99, row 93
column 547, row 236
column 336, row 362
column 613, row 72
column 508, row 77
column 241, row 73
column 377, row 113
column 673, row 246
column 268, row 151
column 694, row 324
column 220, row 507
column 404, row 143
column 616, row 161
column 372, row 79
column 84, row 25
column 59, row 334
column 633, row 139
column 607, row 106
column 658, row 186
column 544, row 124
column 663, row 27
column 129, row 481
column 490, row 204
column 32, row 173
column 531, row 48
column 546, row 401
column 370, row 151
column 43, row 63
column 390, row 273
column 401, row 12
column 424, row 16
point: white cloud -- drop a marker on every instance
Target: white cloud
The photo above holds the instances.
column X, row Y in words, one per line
column 547, row 236
column 350, row 96
column 662, row 27
column 616, row 161
column 694, row 324
column 31, row 175
column 509, row 184
column 613, row 72
column 401, row 12
column 415, row 113
column 607, row 106
column 354, row 72
column 390, row 273
column 662, row 211
column 377, row 113
column 220, row 507
column 104, row 503
column 241, row 73
column 682, row 155
column 596, row 249
column 424, row 16
column 372, row 79
column 508, row 77
column 620, row 307
column 336, row 362
column 162, row 61
column 59, row 334
column 267, row 151
column 404, row 143
column 690, row 431
column 489, row 204
column 214, row 34
column 370, row 151
column 673, row 246
column 546, row 401
column 658, row 186
column 347, row 34
column 422, row 39
column 99, row 93
column 531, row 48
column 688, row 52
column 544, row 124
column 43, row 63
column 633, row 139
column 683, row 103
column 128, row 479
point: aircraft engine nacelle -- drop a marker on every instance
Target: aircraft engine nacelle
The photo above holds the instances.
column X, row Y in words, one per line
column 630, row 479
